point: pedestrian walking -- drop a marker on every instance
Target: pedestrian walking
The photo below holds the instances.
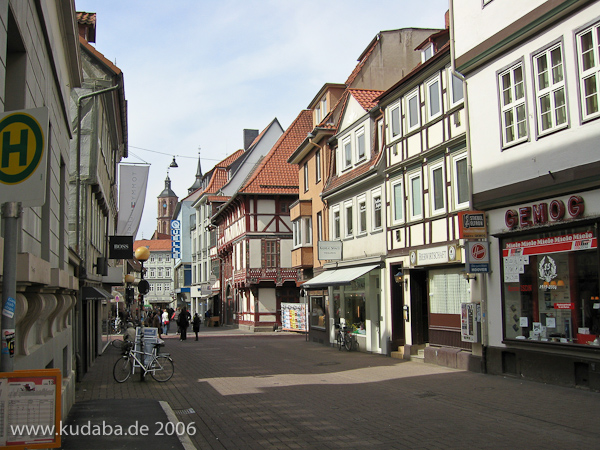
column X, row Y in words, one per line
column 156, row 323
column 183, row 323
column 175, row 318
column 196, row 324
column 165, row 322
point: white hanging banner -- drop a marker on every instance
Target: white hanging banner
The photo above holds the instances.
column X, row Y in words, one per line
column 133, row 179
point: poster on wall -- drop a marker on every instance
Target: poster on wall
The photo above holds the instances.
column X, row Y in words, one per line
column 30, row 408
column 293, row 317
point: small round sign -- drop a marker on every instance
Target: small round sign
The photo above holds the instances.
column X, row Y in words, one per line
column 143, row 287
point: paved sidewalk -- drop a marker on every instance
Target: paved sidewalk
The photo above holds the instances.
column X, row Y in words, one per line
column 239, row 390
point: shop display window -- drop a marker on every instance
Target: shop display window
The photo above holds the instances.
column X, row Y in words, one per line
column 317, row 311
column 349, row 304
column 550, row 287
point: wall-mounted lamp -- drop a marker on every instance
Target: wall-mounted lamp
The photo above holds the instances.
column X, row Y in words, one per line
column 401, row 277
column 469, row 276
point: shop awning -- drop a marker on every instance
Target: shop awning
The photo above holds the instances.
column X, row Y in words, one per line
column 338, row 277
column 95, row 293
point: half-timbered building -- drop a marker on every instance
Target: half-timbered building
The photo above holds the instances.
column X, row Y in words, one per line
column 255, row 237
column 426, row 186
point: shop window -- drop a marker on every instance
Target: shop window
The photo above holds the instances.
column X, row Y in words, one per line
column 317, row 312
column 447, row 290
column 550, row 285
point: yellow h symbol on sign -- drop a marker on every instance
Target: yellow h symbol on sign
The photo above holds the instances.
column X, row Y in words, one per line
column 8, row 148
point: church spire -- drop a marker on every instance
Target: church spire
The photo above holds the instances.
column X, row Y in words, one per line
column 198, row 182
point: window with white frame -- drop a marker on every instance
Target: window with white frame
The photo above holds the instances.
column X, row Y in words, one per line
column 412, row 110
column 415, row 196
column 377, row 213
column 160, row 273
column 318, row 166
column 437, row 190
column 349, row 218
column 460, row 181
column 512, row 101
column 305, row 176
column 167, row 273
column 307, row 230
column 319, row 226
column 296, row 233
column 398, row 201
column 151, row 273
column 394, row 121
column 434, row 97
column 588, row 55
column 456, row 90
column 362, row 214
column 335, row 223
column 347, row 147
column 427, row 53
column 550, row 89
column 318, row 116
column 324, row 107
column 380, row 139
column 360, row 144
column 159, row 287
column 151, row 287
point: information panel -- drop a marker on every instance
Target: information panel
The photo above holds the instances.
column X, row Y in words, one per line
column 293, row 317
column 30, row 409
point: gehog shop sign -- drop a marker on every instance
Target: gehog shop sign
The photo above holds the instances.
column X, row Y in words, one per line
column 544, row 212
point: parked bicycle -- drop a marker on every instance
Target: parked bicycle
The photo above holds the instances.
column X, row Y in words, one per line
column 159, row 365
column 345, row 338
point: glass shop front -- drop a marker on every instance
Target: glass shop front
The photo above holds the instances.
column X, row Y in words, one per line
column 550, row 286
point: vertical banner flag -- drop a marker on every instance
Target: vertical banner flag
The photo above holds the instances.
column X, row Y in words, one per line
column 133, row 180
column 176, row 239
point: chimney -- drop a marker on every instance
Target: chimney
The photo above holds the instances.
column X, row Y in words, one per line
column 86, row 23
column 249, row 136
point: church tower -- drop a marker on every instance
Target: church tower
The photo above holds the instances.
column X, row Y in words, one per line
column 198, row 182
column 167, row 202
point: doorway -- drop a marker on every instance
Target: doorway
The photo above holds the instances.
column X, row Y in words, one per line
column 419, row 314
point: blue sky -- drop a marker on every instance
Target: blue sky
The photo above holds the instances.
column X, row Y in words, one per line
column 197, row 72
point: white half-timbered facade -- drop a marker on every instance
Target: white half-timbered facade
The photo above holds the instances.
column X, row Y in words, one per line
column 426, row 186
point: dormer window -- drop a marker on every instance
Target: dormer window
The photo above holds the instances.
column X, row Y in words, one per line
column 427, row 53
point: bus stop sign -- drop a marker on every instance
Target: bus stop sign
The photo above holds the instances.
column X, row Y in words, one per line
column 23, row 156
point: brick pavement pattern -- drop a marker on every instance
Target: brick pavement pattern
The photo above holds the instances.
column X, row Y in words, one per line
column 277, row 391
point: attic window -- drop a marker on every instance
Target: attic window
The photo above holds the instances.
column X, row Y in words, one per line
column 427, row 53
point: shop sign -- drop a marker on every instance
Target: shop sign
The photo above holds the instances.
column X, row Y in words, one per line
column 478, row 257
column 555, row 244
column 330, row 250
column 176, row 239
column 543, row 213
column 564, row 306
column 435, row 255
column 472, row 225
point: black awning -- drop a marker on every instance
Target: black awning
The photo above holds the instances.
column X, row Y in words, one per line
column 95, row 293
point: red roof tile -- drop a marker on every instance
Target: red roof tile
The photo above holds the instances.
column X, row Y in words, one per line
column 274, row 175
column 157, row 245
column 366, row 97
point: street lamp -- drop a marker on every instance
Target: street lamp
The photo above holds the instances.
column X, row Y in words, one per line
column 142, row 254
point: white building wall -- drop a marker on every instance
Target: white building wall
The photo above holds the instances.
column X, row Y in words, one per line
column 492, row 166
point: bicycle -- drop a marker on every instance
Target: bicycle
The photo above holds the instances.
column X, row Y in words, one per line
column 345, row 338
column 160, row 365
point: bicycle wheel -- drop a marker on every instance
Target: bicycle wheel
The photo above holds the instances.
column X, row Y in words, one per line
column 340, row 340
column 162, row 368
column 122, row 369
column 348, row 342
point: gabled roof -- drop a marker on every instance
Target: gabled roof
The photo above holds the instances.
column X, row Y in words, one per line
column 274, row 175
column 365, row 97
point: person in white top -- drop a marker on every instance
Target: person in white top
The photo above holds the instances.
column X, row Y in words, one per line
column 165, row 321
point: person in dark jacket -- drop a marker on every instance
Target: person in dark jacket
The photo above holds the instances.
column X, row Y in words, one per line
column 196, row 324
column 183, row 323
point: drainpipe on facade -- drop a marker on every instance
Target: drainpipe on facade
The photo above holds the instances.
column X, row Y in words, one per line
column 483, row 279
